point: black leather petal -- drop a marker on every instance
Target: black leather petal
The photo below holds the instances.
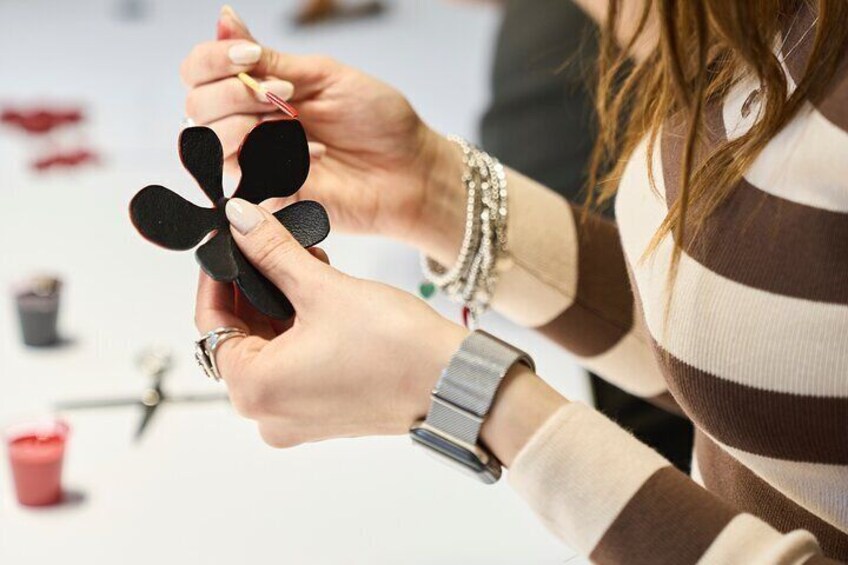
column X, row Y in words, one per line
column 169, row 220
column 261, row 292
column 203, row 157
column 216, row 257
column 306, row 220
column 274, row 161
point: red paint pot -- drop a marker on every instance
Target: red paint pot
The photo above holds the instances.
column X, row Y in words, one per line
column 36, row 452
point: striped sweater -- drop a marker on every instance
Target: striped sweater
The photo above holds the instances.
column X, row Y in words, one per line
column 754, row 351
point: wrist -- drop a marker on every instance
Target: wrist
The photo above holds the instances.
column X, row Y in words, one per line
column 438, row 226
column 523, row 403
column 439, row 344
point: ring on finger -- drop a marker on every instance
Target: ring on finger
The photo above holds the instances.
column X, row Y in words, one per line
column 206, row 347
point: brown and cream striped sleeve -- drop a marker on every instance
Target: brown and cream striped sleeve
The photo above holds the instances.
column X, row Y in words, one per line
column 569, row 280
column 624, row 503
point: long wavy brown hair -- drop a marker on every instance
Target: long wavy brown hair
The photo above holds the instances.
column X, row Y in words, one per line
column 703, row 47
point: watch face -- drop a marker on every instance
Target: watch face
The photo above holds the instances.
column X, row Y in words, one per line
column 471, row 460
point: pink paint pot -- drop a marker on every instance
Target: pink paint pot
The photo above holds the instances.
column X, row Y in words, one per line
column 36, row 452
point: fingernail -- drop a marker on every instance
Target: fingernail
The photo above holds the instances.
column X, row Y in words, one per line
column 243, row 215
column 245, row 53
column 282, row 88
column 227, row 10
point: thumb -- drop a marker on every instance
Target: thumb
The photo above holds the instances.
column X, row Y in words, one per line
column 230, row 25
column 272, row 249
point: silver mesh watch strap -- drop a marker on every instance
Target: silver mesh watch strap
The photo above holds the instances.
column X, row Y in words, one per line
column 464, row 394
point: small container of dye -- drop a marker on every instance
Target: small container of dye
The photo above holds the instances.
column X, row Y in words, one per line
column 37, row 301
column 36, row 452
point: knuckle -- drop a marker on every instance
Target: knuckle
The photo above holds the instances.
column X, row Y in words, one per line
column 324, row 61
column 237, row 402
column 184, row 72
column 245, row 397
column 279, row 437
column 190, row 63
column 253, row 395
column 323, row 65
column 270, row 58
column 191, row 104
column 246, row 401
column 209, row 68
column 194, row 54
column 233, row 95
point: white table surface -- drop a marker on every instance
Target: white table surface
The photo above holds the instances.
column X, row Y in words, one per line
column 201, row 487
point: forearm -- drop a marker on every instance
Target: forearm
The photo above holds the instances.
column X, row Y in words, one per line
column 540, row 278
column 564, row 277
column 438, row 228
column 615, row 500
column 524, row 402
column 568, row 279
column 602, row 491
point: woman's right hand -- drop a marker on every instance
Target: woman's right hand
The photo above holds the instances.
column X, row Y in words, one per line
column 378, row 173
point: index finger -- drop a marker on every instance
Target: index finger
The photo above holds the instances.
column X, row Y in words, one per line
column 213, row 60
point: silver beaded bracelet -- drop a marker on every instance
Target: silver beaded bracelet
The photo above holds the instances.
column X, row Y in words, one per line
column 436, row 273
column 472, row 278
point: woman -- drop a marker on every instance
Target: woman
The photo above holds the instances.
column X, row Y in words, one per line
column 722, row 292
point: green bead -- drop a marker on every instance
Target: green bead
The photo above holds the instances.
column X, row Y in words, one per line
column 427, row 289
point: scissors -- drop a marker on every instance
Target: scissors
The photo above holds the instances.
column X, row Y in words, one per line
column 155, row 362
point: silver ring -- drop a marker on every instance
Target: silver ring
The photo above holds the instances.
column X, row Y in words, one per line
column 206, row 346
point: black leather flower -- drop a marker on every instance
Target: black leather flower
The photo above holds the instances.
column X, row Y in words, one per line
column 274, row 161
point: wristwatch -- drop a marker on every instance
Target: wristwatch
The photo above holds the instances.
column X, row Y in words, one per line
column 460, row 402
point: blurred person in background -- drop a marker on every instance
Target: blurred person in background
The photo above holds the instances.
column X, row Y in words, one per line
column 721, row 289
column 540, row 122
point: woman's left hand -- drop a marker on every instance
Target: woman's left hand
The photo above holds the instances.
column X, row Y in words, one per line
column 360, row 358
